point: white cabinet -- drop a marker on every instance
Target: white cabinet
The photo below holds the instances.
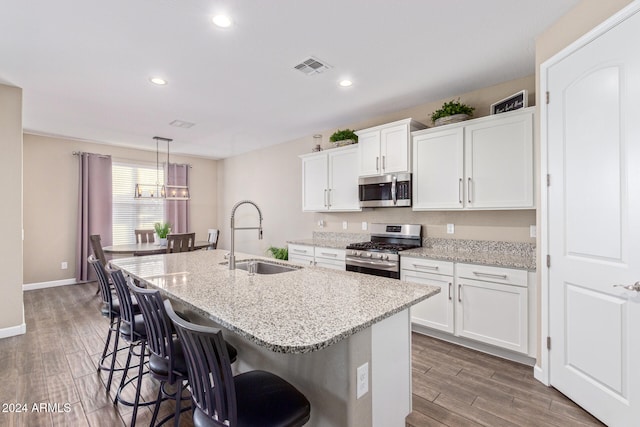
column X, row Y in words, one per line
column 436, row 312
column 330, row 258
column 301, row 254
column 386, row 148
column 330, row 180
column 492, row 306
column 322, row 257
column 485, row 163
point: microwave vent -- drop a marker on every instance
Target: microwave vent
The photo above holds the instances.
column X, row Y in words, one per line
column 311, row 66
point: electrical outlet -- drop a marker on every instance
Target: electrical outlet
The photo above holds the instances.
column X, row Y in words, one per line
column 344, row 225
column 321, row 223
column 362, row 380
column 532, row 231
column 64, row 265
column 364, row 225
column 450, row 228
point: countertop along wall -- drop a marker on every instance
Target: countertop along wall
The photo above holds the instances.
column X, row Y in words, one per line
column 51, row 200
column 11, row 305
column 272, row 177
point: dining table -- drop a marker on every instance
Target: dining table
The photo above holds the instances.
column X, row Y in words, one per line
column 147, row 248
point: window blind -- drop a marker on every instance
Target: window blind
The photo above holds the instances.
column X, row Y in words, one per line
column 128, row 213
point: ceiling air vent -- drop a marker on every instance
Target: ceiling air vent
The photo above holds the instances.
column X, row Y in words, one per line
column 181, row 124
column 312, row 66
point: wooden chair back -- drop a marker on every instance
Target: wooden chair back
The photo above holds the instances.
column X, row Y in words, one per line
column 214, row 233
column 96, row 245
column 183, row 242
column 145, row 236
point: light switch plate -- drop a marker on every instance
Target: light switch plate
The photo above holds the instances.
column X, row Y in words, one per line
column 362, row 380
column 364, row 225
column 532, row 231
column 344, row 225
column 450, row 228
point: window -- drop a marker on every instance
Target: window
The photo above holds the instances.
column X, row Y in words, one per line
column 128, row 213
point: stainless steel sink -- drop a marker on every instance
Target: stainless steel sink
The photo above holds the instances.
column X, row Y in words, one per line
column 266, row 267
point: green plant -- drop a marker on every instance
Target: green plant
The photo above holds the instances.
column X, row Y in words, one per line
column 162, row 229
column 450, row 108
column 341, row 135
column 279, row 253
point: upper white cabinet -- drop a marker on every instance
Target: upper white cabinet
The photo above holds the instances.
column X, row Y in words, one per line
column 386, row 148
column 485, row 163
column 330, row 180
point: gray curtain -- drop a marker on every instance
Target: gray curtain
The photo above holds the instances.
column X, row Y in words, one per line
column 94, row 209
column 177, row 211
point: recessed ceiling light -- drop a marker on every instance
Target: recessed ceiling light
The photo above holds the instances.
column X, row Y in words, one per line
column 158, row 81
column 345, row 83
column 222, row 21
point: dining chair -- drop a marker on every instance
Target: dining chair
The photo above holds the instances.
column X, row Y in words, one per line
column 254, row 398
column 212, row 238
column 145, row 236
column 180, row 242
column 96, row 245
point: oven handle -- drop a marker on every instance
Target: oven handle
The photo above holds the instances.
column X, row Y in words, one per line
column 377, row 264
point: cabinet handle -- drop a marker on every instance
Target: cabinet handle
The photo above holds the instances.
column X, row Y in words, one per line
column 460, row 191
column 459, row 293
column 302, row 251
column 328, row 254
column 377, row 164
column 384, row 163
column 329, row 198
column 325, row 198
column 469, row 189
column 492, row 275
column 450, row 291
column 426, row 267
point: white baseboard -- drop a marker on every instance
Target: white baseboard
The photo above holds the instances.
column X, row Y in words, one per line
column 13, row 330
column 540, row 375
column 51, row 284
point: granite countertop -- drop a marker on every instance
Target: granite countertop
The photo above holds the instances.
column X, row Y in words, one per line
column 300, row 311
column 324, row 239
column 499, row 254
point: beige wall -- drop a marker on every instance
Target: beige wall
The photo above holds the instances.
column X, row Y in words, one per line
column 11, row 309
column 272, row 177
column 50, row 200
column 578, row 21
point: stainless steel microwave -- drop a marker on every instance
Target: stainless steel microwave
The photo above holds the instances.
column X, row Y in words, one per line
column 392, row 190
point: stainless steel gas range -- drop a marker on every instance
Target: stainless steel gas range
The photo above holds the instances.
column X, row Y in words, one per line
column 380, row 256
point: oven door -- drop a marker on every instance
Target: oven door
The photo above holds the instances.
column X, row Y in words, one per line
column 385, row 191
column 375, row 268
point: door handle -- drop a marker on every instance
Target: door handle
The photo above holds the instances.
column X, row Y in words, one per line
column 460, row 191
column 329, row 199
column 325, row 199
column 634, row 287
column 377, row 164
column 384, row 163
column 469, row 190
column 459, row 293
column 450, row 291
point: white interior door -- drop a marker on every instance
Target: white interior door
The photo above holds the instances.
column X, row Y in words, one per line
column 593, row 146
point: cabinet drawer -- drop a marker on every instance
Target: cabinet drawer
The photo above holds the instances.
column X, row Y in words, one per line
column 507, row 276
column 301, row 250
column 426, row 265
column 330, row 253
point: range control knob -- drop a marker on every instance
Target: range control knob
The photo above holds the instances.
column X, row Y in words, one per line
column 380, row 256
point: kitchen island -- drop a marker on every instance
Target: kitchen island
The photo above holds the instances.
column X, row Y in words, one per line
column 313, row 326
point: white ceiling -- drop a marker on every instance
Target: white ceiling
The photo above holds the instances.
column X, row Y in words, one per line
column 84, row 65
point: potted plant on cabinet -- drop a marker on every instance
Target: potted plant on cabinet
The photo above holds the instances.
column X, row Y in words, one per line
column 343, row 137
column 451, row 112
column 279, row 253
column 162, row 229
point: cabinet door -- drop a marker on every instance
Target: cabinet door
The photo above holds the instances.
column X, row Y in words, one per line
column 343, row 180
column 314, row 183
column 492, row 313
column 438, row 170
column 301, row 254
column 436, row 312
column 330, row 258
column 499, row 162
column 369, row 153
column 394, row 149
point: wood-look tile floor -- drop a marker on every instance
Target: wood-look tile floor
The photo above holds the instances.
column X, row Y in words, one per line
column 55, row 363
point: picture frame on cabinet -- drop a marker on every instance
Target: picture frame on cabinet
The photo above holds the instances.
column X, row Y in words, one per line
column 510, row 103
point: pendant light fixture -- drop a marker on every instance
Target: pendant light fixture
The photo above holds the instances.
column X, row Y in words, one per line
column 162, row 190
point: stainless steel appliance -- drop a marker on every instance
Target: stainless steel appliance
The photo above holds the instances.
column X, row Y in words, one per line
column 380, row 257
column 392, row 190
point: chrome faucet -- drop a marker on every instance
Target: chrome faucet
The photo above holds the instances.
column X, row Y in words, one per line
column 232, row 256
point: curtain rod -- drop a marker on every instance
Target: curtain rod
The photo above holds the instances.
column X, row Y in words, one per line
column 79, row 153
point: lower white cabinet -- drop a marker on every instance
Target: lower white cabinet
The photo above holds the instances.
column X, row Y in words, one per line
column 483, row 303
column 323, row 257
column 301, row 254
column 436, row 312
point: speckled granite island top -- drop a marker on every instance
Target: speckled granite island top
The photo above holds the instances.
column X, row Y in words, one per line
column 294, row 312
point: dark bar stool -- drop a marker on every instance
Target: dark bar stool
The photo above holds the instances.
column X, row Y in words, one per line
column 255, row 398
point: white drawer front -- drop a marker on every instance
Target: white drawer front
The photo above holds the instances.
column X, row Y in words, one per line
column 301, row 250
column 508, row 276
column 426, row 265
column 330, row 253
